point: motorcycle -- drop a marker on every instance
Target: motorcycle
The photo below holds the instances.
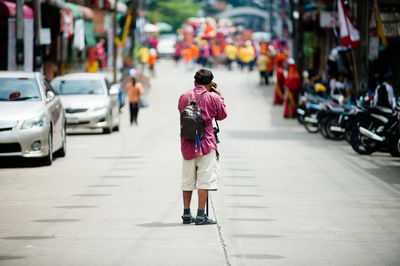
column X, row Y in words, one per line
column 376, row 129
column 339, row 121
column 313, row 110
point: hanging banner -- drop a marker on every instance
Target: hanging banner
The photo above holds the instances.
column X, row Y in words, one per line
column 349, row 34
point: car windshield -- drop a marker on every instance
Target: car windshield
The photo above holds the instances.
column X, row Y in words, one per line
column 19, row 89
column 66, row 87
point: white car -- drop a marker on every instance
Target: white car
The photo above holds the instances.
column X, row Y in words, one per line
column 166, row 44
column 89, row 101
column 32, row 118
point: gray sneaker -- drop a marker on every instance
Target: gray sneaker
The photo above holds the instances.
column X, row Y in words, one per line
column 188, row 219
column 201, row 220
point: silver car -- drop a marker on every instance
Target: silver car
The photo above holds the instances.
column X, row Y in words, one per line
column 89, row 101
column 32, row 118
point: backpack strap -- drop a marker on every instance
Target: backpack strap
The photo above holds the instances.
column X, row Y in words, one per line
column 201, row 97
column 190, row 98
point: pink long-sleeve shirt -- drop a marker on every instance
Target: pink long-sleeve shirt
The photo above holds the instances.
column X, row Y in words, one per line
column 211, row 105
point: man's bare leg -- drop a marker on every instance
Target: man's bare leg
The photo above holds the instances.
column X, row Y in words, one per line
column 187, row 197
column 187, row 216
column 203, row 194
column 201, row 217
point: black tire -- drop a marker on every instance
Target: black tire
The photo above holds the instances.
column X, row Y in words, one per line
column 109, row 129
column 311, row 127
column 362, row 144
column 333, row 121
column 63, row 150
column 394, row 146
column 48, row 159
column 322, row 127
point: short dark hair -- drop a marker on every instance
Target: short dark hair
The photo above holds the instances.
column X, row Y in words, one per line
column 203, row 77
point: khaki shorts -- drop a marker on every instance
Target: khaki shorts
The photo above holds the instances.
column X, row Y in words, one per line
column 201, row 172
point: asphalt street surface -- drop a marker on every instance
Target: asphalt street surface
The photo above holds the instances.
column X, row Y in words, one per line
column 286, row 197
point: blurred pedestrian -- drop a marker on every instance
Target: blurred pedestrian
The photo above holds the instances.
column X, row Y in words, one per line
column 200, row 166
column 271, row 60
column 215, row 54
column 230, row 54
column 262, row 63
column 384, row 93
column 134, row 91
column 143, row 57
column 204, row 53
column 91, row 65
column 195, row 53
column 187, row 57
column 252, row 54
column 178, row 51
column 292, row 83
column 100, row 54
column 152, row 60
column 280, row 81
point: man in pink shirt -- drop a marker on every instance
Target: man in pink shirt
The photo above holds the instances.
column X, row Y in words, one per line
column 200, row 166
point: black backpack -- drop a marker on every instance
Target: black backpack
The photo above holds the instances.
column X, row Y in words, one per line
column 191, row 121
column 383, row 96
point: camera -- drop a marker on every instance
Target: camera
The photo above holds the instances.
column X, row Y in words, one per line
column 216, row 131
column 213, row 87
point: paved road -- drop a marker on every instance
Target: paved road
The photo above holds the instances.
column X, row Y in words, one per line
column 286, row 198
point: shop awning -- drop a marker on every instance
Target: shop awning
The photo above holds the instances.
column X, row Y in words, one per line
column 9, row 9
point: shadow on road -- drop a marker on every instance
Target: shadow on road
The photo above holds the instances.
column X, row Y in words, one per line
column 159, row 225
column 18, row 162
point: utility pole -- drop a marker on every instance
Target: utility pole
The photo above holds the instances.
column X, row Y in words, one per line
column 135, row 4
column 38, row 25
column 115, row 53
column 296, row 10
column 20, row 35
column 363, row 22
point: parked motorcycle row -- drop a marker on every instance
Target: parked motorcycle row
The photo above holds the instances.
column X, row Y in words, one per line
column 367, row 128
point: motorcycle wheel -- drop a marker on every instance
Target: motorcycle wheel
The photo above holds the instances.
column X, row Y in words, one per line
column 394, row 146
column 362, row 144
column 300, row 117
column 311, row 127
column 322, row 127
column 333, row 121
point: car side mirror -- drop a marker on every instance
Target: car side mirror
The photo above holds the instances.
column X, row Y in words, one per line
column 50, row 96
column 114, row 90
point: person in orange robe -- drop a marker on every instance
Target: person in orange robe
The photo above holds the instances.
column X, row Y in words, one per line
column 280, row 79
column 292, row 83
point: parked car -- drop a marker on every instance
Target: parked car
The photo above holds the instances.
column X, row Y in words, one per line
column 32, row 118
column 166, row 44
column 89, row 100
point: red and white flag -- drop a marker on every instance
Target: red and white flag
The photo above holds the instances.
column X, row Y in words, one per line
column 349, row 34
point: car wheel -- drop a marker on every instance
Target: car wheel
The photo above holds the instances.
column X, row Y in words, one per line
column 48, row 159
column 109, row 128
column 63, row 150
